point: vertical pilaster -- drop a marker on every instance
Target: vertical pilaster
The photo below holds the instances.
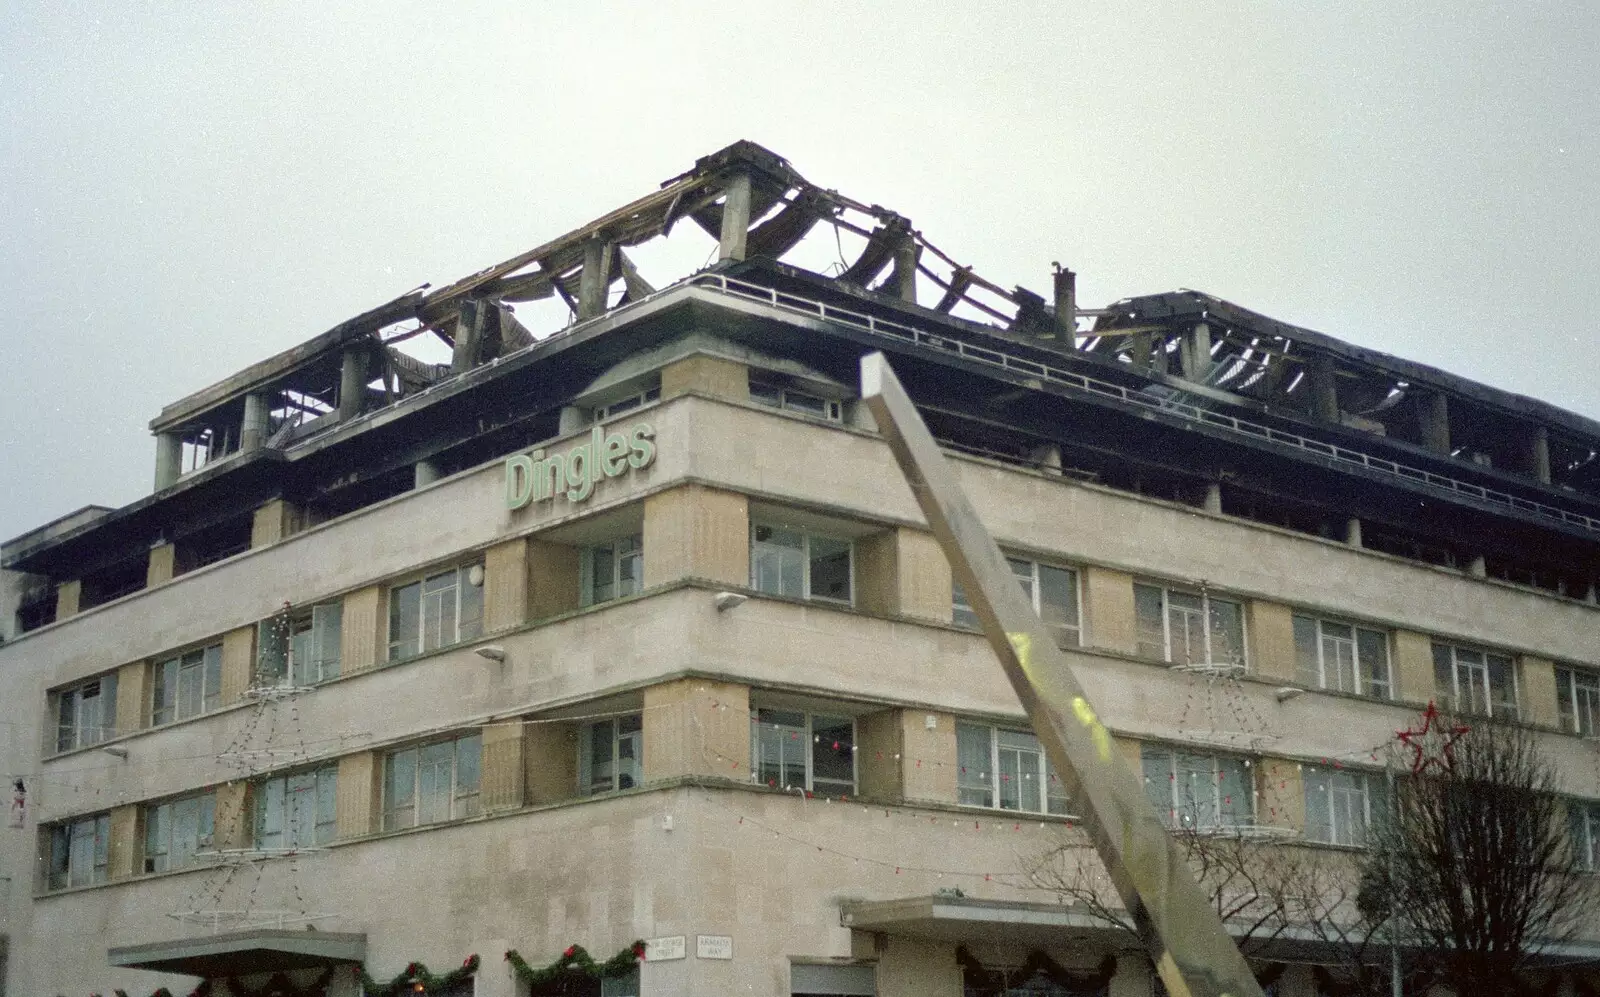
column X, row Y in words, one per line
column 706, row 375
column 1271, row 629
column 169, row 459
column 1352, row 531
column 238, row 663
column 697, row 532
column 69, row 595
column 553, row 578
column 253, row 427
column 1108, row 606
column 232, row 816
column 905, row 268
column 1537, row 691
column 1066, row 295
column 1324, row 388
column 123, row 859
column 696, row 727
column 276, row 520
column 735, row 218
column 1413, row 661
column 132, row 694
column 550, row 761
column 928, row 764
column 358, row 794
column 361, row 633
column 1195, row 353
column 505, row 585
column 1433, row 421
column 353, row 380
column 162, row 566
column 425, row 473
column 503, row 776
column 595, row 278
column 1539, row 453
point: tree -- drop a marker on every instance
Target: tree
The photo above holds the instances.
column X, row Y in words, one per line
column 1476, row 865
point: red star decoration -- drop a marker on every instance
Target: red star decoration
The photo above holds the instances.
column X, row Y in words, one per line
column 1419, row 741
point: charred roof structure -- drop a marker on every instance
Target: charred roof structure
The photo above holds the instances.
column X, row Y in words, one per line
column 1180, row 394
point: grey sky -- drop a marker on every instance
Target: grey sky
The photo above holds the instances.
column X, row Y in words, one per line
column 184, row 194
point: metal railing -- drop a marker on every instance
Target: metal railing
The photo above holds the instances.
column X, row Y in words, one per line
column 812, row 308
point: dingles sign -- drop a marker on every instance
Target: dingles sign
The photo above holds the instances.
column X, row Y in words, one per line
column 538, row 477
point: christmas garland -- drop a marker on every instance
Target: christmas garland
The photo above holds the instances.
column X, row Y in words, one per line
column 416, row 973
column 977, row 979
column 575, row 973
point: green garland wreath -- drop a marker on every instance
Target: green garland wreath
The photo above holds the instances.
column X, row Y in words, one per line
column 415, row 973
column 575, row 973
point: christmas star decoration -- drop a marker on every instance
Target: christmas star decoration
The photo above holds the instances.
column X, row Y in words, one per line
column 1431, row 745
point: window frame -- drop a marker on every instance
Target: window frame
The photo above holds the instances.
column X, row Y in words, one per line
column 419, row 629
column 1174, row 819
column 962, row 615
column 462, row 803
column 993, row 778
column 77, row 734
column 1367, row 687
column 324, row 826
column 60, row 851
column 782, row 397
column 590, row 566
column 164, row 814
column 1206, row 615
column 627, row 403
column 807, row 535
column 1484, row 667
column 167, row 674
column 1575, row 717
column 807, row 736
column 1583, row 825
column 617, row 737
column 1374, row 794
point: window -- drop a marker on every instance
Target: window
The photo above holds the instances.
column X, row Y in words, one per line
column 791, row 749
column 175, row 832
column 187, row 685
column 431, row 783
column 80, row 852
column 1053, row 592
column 627, row 404
column 612, row 570
column 610, row 758
column 800, row 564
column 437, row 611
column 1584, row 818
column 295, row 811
column 1578, row 699
column 1342, row 657
column 1343, row 806
column 1188, row 628
column 1198, row 792
column 1007, row 770
column 300, row 647
column 776, row 396
column 86, row 714
column 1474, row 681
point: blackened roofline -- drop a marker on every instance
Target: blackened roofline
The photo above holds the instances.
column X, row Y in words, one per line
column 1198, row 305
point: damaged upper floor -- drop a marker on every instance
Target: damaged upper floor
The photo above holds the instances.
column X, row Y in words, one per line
column 361, row 413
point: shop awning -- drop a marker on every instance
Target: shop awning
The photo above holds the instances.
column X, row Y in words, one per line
column 244, row 953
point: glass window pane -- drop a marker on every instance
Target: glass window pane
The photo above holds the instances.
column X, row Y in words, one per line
column 1307, row 663
column 1502, row 686
column 469, row 756
column 1186, row 626
column 602, row 574
column 630, row 565
column 1058, row 603
column 67, row 721
column 1372, row 648
column 271, row 812
column 327, row 804
column 777, row 562
column 157, row 821
column 961, row 613
column 1151, row 624
column 974, row 782
column 830, row 569
column 1444, row 680
column 1319, row 812
column 1235, row 799
column 1023, row 572
column 301, row 794
column 191, row 688
column 272, row 650
column 164, row 692
column 469, row 620
column 833, row 754
column 1159, row 782
column 82, row 859
column 327, row 626
column 766, row 394
column 405, row 619
column 213, row 678
column 400, row 780
column 1010, row 778
column 1227, row 631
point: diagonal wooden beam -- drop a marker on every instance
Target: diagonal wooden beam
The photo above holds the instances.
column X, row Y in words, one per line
column 1183, row 935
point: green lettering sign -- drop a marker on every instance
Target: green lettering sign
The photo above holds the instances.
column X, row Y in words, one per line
column 538, row 477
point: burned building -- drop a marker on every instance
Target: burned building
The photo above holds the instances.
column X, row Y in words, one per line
column 566, row 606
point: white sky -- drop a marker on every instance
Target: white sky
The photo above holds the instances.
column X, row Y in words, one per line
column 182, row 194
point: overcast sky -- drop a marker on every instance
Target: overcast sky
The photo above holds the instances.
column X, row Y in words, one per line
column 184, row 193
